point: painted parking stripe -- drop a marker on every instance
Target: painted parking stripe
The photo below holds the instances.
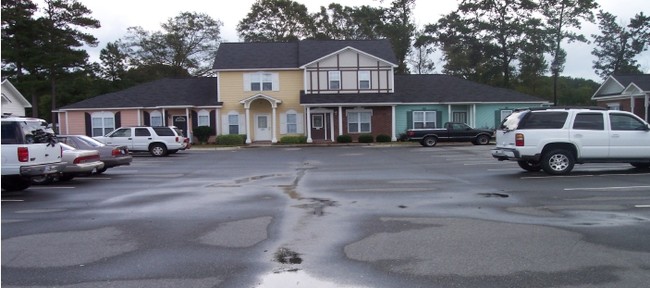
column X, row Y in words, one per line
column 641, row 206
column 12, row 200
column 607, row 188
column 51, row 187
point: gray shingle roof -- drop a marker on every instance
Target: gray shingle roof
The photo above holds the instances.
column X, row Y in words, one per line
column 641, row 80
column 163, row 92
column 255, row 55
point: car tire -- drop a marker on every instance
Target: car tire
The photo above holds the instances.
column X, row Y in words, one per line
column 15, row 183
column 66, row 177
column 429, row 141
column 158, row 150
column 43, row 179
column 640, row 165
column 558, row 162
column 531, row 166
column 100, row 170
column 482, row 140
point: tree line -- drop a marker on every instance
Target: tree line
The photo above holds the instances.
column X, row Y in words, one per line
column 504, row 43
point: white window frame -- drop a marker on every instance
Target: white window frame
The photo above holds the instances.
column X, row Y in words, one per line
column 614, row 106
column 292, row 124
column 203, row 118
column 364, row 80
column 504, row 114
column 155, row 119
column 106, row 123
column 423, row 120
column 355, row 119
column 263, row 79
column 334, row 79
column 236, row 123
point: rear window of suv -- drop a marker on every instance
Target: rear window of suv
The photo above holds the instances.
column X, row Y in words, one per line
column 164, row 131
column 543, row 120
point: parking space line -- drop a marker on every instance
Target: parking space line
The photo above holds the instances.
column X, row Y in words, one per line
column 605, row 188
column 52, row 187
column 12, row 200
column 641, row 206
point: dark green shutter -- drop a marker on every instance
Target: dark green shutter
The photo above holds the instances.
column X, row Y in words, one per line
column 497, row 118
column 89, row 125
column 213, row 118
column 195, row 119
column 118, row 120
column 409, row 119
column 147, row 118
column 439, row 119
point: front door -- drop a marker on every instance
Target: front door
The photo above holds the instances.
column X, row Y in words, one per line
column 319, row 126
column 262, row 128
column 181, row 123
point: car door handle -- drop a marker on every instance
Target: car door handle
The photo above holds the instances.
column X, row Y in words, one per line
column 149, row 138
column 130, row 139
column 615, row 136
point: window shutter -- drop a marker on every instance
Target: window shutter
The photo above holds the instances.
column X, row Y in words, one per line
column 299, row 123
column 213, row 117
column 147, row 118
column 89, row 125
column 409, row 119
column 242, row 124
column 195, row 119
column 224, row 125
column 118, row 120
column 247, row 82
column 439, row 119
column 497, row 118
column 283, row 123
column 276, row 81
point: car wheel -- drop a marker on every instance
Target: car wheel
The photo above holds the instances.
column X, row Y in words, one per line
column 641, row 165
column 42, row 179
column 532, row 166
column 482, row 140
column 15, row 183
column 429, row 141
column 558, row 162
column 158, row 150
column 100, row 170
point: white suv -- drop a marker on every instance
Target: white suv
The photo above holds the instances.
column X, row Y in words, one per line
column 159, row 141
column 555, row 139
column 29, row 148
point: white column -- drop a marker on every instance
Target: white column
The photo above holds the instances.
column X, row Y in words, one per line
column 340, row 120
column 309, row 140
column 189, row 123
column 449, row 116
column 273, row 130
column 394, row 138
column 248, row 125
column 164, row 118
column 331, row 120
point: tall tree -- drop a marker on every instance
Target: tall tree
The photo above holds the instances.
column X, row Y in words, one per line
column 62, row 41
column 399, row 29
column 337, row 22
column 421, row 58
column 276, row 21
column 617, row 46
column 188, row 41
column 114, row 61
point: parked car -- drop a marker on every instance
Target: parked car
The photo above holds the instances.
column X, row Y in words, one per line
column 78, row 162
column 29, row 149
column 451, row 132
column 111, row 155
column 555, row 139
column 159, row 141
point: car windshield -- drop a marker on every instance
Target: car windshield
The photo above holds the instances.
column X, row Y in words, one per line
column 89, row 141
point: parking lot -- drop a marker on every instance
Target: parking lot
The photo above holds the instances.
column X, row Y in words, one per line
column 340, row 216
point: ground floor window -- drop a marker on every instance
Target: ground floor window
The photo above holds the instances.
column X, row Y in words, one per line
column 233, row 124
column 359, row 121
column 424, row 119
column 292, row 123
column 459, row 117
column 203, row 118
column 156, row 119
column 102, row 123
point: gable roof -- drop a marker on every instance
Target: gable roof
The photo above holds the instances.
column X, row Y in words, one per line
column 11, row 94
column 292, row 55
column 430, row 88
column 159, row 93
column 616, row 85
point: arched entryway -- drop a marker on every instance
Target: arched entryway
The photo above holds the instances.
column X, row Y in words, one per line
column 261, row 111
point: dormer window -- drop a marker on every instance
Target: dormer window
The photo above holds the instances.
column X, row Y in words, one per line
column 334, row 80
column 364, row 80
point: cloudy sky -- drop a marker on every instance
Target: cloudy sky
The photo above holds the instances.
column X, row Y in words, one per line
column 117, row 15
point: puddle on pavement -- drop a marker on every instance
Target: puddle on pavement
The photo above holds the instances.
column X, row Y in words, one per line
column 286, row 256
column 298, row 278
column 318, row 204
column 494, row 195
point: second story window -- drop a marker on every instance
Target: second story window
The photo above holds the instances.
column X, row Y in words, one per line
column 334, row 80
column 261, row 82
column 364, row 79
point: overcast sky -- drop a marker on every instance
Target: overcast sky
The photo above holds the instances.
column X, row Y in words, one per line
column 117, row 15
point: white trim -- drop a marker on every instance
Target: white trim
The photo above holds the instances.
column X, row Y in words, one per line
column 350, row 48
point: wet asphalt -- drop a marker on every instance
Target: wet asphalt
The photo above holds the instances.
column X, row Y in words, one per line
column 340, row 216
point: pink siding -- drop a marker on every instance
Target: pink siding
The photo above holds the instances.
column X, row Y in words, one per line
column 76, row 123
column 129, row 117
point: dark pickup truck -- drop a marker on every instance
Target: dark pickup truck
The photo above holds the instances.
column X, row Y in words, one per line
column 452, row 132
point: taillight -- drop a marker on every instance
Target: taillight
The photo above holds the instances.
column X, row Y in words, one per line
column 116, row 152
column 177, row 139
column 519, row 139
column 23, row 154
column 410, row 133
column 85, row 159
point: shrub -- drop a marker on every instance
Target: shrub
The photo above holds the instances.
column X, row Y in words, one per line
column 231, row 140
column 293, row 140
column 202, row 133
column 366, row 138
column 344, row 139
column 383, row 138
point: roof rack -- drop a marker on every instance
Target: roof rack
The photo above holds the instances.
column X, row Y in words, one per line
column 563, row 107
